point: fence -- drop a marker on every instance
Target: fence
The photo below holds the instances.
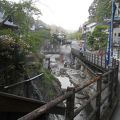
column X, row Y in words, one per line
column 26, row 87
column 22, row 82
column 69, row 96
column 94, row 59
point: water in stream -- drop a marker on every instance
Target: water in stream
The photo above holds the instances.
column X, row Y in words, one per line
column 65, row 75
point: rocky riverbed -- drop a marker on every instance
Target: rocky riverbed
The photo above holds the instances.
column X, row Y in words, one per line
column 69, row 76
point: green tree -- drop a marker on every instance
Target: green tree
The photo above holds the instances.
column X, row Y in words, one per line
column 99, row 10
column 100, row 35
column 14, row 45
column 98, row 38
column 75, row 35
column 22, row 15
column 90, row 40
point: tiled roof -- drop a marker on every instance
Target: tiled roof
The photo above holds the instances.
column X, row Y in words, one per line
column 7, row 23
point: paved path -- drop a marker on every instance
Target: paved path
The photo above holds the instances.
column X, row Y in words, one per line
column 116, row 115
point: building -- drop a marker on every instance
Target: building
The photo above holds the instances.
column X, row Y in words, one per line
column 116, row 32
column 87, row 27
column 7, row 23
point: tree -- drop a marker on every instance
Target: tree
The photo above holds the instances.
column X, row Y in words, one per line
column 100, row 10
column 92, row 11
column 98, row 38
column 75, row 35
column 22, row 15
column 103, row 10
column 14, row 45
column 90, row 40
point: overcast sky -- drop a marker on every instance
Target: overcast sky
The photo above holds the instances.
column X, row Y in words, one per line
column 69, row 14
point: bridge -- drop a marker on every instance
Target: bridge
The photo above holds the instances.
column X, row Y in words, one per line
column 51, row 51
column 104, row 104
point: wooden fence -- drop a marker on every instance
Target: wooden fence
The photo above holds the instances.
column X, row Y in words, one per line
column 70, row 113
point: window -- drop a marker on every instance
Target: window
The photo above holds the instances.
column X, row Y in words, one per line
column 115, row 34
column 118, row 34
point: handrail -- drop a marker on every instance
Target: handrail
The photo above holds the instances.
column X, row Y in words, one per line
column 33, row 115
column 77, row 111
column 69, row 96
column 107, row 73
column 21, row 82
column 22, row 104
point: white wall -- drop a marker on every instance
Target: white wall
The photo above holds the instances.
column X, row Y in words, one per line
column 116, row 35
column 89, row 27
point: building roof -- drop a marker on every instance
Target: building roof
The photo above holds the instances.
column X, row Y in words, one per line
column 8, row 23
column 91, row 24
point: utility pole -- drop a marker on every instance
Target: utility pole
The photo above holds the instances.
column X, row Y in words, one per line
column 112, row 20
column 109, row 51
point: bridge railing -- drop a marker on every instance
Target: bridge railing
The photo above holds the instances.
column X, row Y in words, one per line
column 95, row 59
column 101, row 100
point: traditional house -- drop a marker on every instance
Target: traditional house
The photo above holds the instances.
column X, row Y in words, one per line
column 87, row 27
column 7, row 23
column 116, row 31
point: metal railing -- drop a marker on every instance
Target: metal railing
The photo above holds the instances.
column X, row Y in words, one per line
column 95, row 59
column 69, row 96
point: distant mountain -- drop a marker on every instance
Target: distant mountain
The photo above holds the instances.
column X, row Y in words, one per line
column 57, row 29
column 53, row 28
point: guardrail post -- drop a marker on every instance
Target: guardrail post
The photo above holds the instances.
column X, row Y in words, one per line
column 26, row 86
column 88, row 56
column 70, row 105
column 43, row 117
column 111, row 76
column 98, row 98
column 97, row 59
column 101, row 60
column 113, row 62
column 92, row 58
column 105, row 60
column 116, row 70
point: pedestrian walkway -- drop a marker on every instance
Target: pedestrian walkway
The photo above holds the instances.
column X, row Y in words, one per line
column 116, row 115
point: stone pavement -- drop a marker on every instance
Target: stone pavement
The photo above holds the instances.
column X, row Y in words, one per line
column 116, row 115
